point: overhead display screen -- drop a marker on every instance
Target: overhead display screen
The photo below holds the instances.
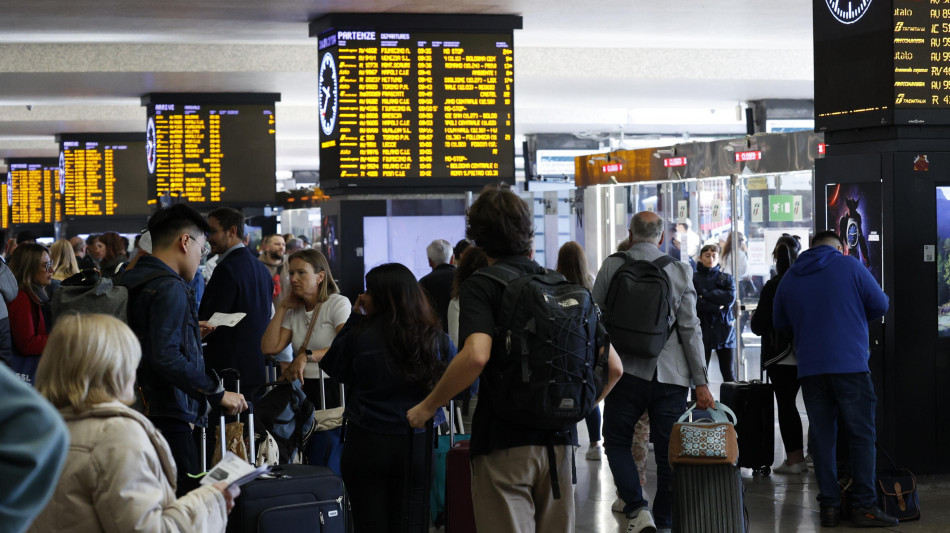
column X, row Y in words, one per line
column 33, row 191
column 880, row 63
column 103, row 174
column 402, row 106
column 209, row 149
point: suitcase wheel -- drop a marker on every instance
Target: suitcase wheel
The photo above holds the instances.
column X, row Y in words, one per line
column 763, row 471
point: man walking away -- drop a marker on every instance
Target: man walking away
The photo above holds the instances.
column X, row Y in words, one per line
column 826, row 299
column 657, row 385
column 512, row 462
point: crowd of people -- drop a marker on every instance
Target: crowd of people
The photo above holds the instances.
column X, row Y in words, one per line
column 402, row 350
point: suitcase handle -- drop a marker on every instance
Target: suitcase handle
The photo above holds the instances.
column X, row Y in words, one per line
column 720, row 413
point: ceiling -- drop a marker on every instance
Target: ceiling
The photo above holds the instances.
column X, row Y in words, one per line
column 611, row 66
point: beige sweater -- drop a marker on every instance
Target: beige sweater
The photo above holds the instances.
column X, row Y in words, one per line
column 119, row 477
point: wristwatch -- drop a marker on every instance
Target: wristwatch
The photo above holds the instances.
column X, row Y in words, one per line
column 309, row 355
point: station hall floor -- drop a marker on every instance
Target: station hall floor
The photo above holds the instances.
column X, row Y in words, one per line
column 776, row 503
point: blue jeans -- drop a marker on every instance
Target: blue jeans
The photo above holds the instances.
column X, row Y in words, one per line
column 850, row 399
column 623, row 408
column 593, row 424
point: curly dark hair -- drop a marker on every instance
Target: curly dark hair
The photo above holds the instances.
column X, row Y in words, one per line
column 414, row 332
column 500, row 223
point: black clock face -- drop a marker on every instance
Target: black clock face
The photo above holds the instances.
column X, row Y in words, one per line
column 150, row 145
column 328, row 94
column 848, row 11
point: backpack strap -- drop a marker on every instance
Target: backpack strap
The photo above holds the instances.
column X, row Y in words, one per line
column 662, row 261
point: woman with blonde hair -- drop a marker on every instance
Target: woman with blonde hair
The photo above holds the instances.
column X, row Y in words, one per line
column 308, row 318
column 119, row 472
column 64, row 260
column 30, row 317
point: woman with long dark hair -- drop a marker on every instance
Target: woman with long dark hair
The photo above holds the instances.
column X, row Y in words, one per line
column 390, row 354
column 778, row 358
column 112, row 253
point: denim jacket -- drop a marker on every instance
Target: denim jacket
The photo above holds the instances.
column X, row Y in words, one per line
column 171, row 375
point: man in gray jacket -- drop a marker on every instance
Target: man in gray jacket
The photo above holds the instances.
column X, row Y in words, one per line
column 658, row 386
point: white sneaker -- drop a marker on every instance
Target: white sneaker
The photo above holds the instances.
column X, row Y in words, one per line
column 618, row 506
column 642, row 523
column 790, row 469
column 594, row 453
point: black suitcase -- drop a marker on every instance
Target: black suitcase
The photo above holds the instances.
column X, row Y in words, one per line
column 754, row 405
column 708, row 499
column 295, row 498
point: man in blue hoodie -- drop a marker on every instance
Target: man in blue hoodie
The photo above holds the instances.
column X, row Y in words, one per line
column 826, row 299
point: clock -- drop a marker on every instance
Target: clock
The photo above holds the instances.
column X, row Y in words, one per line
column 150, row 148
column 848, row 11
column 329, row 86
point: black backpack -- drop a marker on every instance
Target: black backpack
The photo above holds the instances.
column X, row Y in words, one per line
column 639, row 313
column 546, row 371
column 287, row 413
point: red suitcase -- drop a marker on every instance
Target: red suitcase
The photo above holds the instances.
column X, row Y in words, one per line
column 459, row 513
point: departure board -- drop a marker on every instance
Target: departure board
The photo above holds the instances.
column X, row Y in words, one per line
column 415, row 106
column 203, row 151
column 881, row 63
column 33, row 190
column 103, row 174
column 4, row 206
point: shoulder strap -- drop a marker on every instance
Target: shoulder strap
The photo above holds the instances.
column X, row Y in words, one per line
column 313, row 320
column 500, row 272
column 662, row 261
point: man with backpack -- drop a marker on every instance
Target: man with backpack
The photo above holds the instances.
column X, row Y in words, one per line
column 523, row 441
column 649, row 309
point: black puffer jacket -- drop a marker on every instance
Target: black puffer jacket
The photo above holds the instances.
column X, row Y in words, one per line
column 716, row 293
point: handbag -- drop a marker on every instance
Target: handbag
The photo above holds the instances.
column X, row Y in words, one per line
column 897, row 491
column 234, row 438
column 708, row 441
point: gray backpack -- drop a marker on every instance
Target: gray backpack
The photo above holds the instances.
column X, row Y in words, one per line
column 88, row 292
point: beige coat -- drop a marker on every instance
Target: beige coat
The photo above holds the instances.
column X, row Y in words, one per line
column 119, row 477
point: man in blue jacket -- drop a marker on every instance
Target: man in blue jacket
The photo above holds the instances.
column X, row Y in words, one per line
column 826, row 299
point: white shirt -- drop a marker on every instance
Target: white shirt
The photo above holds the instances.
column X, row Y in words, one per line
column 332, row 314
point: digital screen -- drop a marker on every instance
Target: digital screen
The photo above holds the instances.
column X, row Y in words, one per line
column 856, row 214
column 33, row 191
column 403, row 239
column 397, row 105
column 880, row 63
column 943, row 261
column 102, row 176
column 205, row 153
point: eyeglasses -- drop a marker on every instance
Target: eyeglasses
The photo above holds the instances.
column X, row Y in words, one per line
column 205, row 250
column 48, row 266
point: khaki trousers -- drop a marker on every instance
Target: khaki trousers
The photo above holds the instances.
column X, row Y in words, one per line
column 511, row 491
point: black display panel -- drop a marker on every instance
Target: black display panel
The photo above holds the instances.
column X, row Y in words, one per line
column 104, row 174
column 33, row 191
column 881, row 63
column 943, row 261
column 211, row 149
column 855, row 213
column 409, row 102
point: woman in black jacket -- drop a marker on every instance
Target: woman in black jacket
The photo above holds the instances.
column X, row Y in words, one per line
column 715, row 295
column 778, row 358
column 390, row 354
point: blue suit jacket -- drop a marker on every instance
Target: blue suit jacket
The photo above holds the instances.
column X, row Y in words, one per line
column 240, row 284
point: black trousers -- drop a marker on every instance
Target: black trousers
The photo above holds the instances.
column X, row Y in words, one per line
column 374, row 468
column 183, row 443
column 726, row 363
column 785, row 380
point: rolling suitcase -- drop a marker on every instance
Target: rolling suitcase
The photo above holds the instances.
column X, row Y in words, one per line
column 754, row 405
column 707, row 485
column 459, row 511
column 444, row 443
column 708, row 499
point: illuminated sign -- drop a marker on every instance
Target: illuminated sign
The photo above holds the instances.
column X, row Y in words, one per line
column 204, row 151
column 613, row 167
column 405, row 100
column 674, row 162
column 32, row 190
column 103, row 174
column 748, row 156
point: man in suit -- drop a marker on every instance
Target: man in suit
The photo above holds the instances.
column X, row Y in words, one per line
column 240, row 284
column 438, row 283
column 658, row 386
